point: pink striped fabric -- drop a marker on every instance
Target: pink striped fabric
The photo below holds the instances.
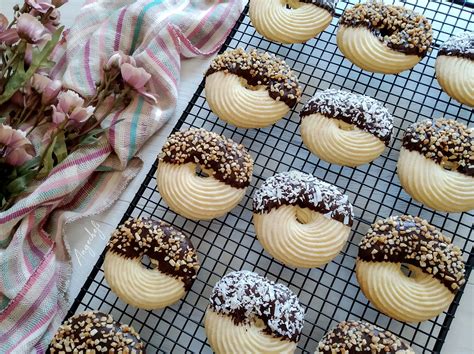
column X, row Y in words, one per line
column 34, row 261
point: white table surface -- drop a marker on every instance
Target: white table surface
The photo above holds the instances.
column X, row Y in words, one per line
column 88, row 236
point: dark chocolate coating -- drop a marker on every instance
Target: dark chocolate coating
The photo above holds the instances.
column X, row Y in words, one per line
column 460, row 45
column 399, row 28
column 303, row 190
column 168, row 248
column 229, row 161
column 259, row 68
column 358, row 337
column 244, row 295
column 329, row 5
column 94, row 331
column 362, row 111
column 412, row 240
column 445, row 141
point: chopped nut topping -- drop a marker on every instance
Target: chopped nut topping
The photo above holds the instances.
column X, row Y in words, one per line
column 229, row 162
column 399, row 28
column 361, row 337
column 260, row 69
column 168, row 249
column 95, row 331
column 412, row 240
column 445, row 141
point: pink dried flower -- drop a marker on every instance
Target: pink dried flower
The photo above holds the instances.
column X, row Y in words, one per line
column 51, row 92
column 71, row 107
column 59, row 3
column 137, row 78
column 15, row 148
column 31, row 29
column 54, row 20
column 40, row 6
column 49, row 89
column 3, row 22
column 118, row 59
column 9, row 36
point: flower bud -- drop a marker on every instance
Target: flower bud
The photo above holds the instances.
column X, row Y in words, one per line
column 31, row 30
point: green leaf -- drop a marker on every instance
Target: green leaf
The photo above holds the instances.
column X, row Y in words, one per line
column 60, row 148
column 92, row 137
column 31, row 165
column 20, row 184
column 48, row 161
column 2, row 120
column 20, row 77
column 104, row 169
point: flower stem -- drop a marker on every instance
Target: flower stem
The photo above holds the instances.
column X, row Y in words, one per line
column 38, row 119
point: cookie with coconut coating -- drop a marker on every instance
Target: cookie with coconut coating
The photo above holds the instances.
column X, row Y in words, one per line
column 249, row 313
column 455, row 67
column 301, row 220
column 345, row 128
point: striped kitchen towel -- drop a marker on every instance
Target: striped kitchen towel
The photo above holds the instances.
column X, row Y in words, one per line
column 34, row 259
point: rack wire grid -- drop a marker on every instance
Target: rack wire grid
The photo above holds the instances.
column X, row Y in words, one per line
column 329, row 294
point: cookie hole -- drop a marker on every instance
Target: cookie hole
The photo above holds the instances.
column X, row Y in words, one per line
column 147, row 262
column 259, row 323
column 450, row 166
column 291, row 4
column 344, row 126
column 303, row 216
column 200, row 172
column 407, row 270
column 245, row 84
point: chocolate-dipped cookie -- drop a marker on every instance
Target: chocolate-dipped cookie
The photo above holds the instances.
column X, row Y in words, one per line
column 225, row 171
column 251, row 314
column 172, row 256
column 345, row 128
column 95, row 332
column 436, row 164
column 436, row 265
column 250, row 89
column 362, row 338
column 294, row 21
column 455, row 67
column 383, row 38
column 300, row 220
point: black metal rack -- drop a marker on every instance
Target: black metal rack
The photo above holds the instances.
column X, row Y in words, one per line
column 329, row 294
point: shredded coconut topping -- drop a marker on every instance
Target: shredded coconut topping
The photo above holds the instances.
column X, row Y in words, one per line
column 247, row 296
column 461, row 44
column 305, row 191
column 362, row 111
column 361, row 337
column 329, row 5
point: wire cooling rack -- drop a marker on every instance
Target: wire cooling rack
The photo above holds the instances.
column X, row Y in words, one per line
column 330, row 294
